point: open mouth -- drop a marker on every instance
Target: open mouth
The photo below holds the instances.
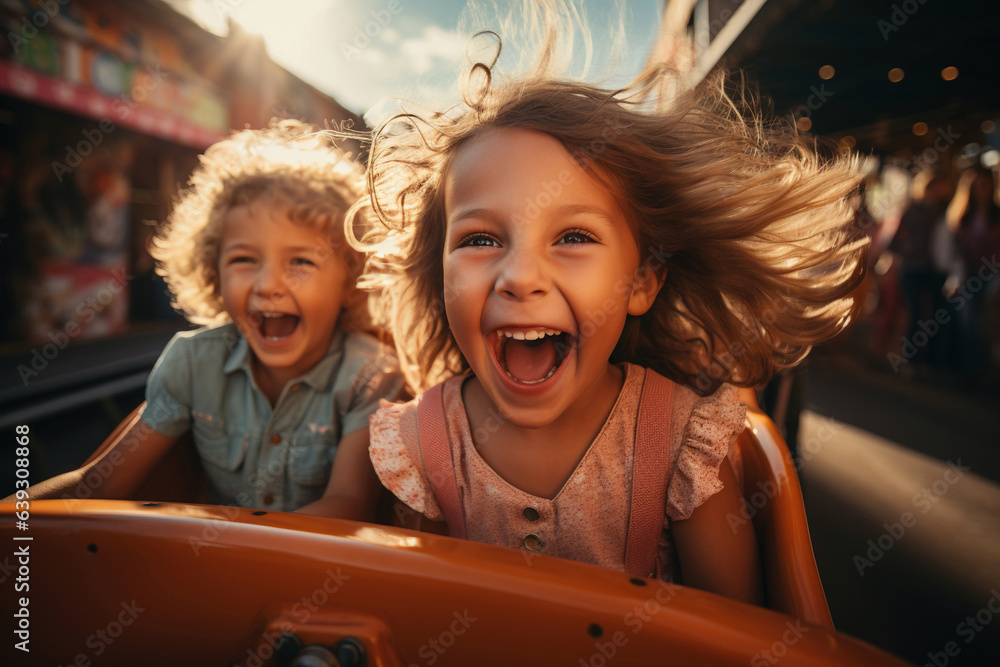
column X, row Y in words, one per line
column 274, row 327
column 531, row 355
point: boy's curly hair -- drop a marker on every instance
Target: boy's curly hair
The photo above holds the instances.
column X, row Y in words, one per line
column 290, row 165
column 752, row 231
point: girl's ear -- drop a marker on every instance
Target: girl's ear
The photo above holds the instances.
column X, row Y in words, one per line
column 646, row 286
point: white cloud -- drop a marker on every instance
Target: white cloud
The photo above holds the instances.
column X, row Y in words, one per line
column 435, row 44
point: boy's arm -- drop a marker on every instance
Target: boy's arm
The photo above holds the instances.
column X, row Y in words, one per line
column 117, row 473
column 352, row 492
column 715, row 556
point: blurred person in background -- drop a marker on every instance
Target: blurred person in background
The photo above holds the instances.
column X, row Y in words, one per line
column 974, row 217
column 922, row 278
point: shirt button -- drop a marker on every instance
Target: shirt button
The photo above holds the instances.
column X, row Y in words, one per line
column 268, row 499
column 530, row 513
column 532, row 543
column 275, row 439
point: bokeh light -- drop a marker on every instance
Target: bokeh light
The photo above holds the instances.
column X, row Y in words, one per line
column 827, row 72
column 949, row 73
column 896, row 75
column 920, row 129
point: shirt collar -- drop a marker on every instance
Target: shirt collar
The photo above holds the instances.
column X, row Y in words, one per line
column 318, row 377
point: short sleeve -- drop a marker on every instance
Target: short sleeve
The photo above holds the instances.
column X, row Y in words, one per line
column 379, row 378
column 168, row 390
column 714, row 421
column 395, row 456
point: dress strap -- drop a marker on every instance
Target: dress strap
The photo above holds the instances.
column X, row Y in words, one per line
column 650, row 464
column 435, row 451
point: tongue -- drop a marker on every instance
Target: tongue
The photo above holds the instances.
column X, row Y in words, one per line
column 530, row 360
column 278, row 327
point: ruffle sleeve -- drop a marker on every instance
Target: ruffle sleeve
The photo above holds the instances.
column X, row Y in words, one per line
column 714, row 421
column 396, row 457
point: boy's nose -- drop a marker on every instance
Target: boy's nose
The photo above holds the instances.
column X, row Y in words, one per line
column 523, row 276
column 270, row 280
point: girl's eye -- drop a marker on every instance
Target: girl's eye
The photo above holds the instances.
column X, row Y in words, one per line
column 302, row 261
column 575, row 236
column 241, row 259
column 479, row 240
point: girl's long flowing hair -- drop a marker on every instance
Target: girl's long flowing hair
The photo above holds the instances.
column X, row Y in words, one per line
column 748, row 222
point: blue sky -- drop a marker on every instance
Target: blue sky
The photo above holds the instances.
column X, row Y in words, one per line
column 361, row 52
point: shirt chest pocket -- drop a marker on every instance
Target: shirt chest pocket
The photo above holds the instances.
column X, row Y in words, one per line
column 311, row 458
column 218, row 448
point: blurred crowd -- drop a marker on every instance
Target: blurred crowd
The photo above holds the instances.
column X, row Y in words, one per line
column 932, row 306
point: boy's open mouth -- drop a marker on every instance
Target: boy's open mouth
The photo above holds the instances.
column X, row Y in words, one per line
column 274, row 326
column 530, row 355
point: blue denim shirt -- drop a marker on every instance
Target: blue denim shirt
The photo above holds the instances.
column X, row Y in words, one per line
column 254, row 456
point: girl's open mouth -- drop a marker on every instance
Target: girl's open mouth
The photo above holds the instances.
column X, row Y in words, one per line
column 274, row 327
column 530, row 356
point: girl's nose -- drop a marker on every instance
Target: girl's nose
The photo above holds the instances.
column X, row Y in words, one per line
column 523, row 276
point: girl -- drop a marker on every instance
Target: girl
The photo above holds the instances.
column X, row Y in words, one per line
column 277, row 389
column 552, row 251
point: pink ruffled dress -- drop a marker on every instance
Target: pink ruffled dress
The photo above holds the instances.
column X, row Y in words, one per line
column 588, row 518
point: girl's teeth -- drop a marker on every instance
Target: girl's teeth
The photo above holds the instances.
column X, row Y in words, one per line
column 530, row 335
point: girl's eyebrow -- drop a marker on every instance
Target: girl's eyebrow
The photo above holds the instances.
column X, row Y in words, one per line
column 584, row 209
column 480, row 213
column 565, row 211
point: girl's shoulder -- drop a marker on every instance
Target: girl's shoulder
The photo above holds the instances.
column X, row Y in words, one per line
column 701, row 431
column 690, row 408
column 395, row 455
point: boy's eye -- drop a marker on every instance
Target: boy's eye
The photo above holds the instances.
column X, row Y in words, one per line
column 479, row 240
column 574, row 236
column 241, row 259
